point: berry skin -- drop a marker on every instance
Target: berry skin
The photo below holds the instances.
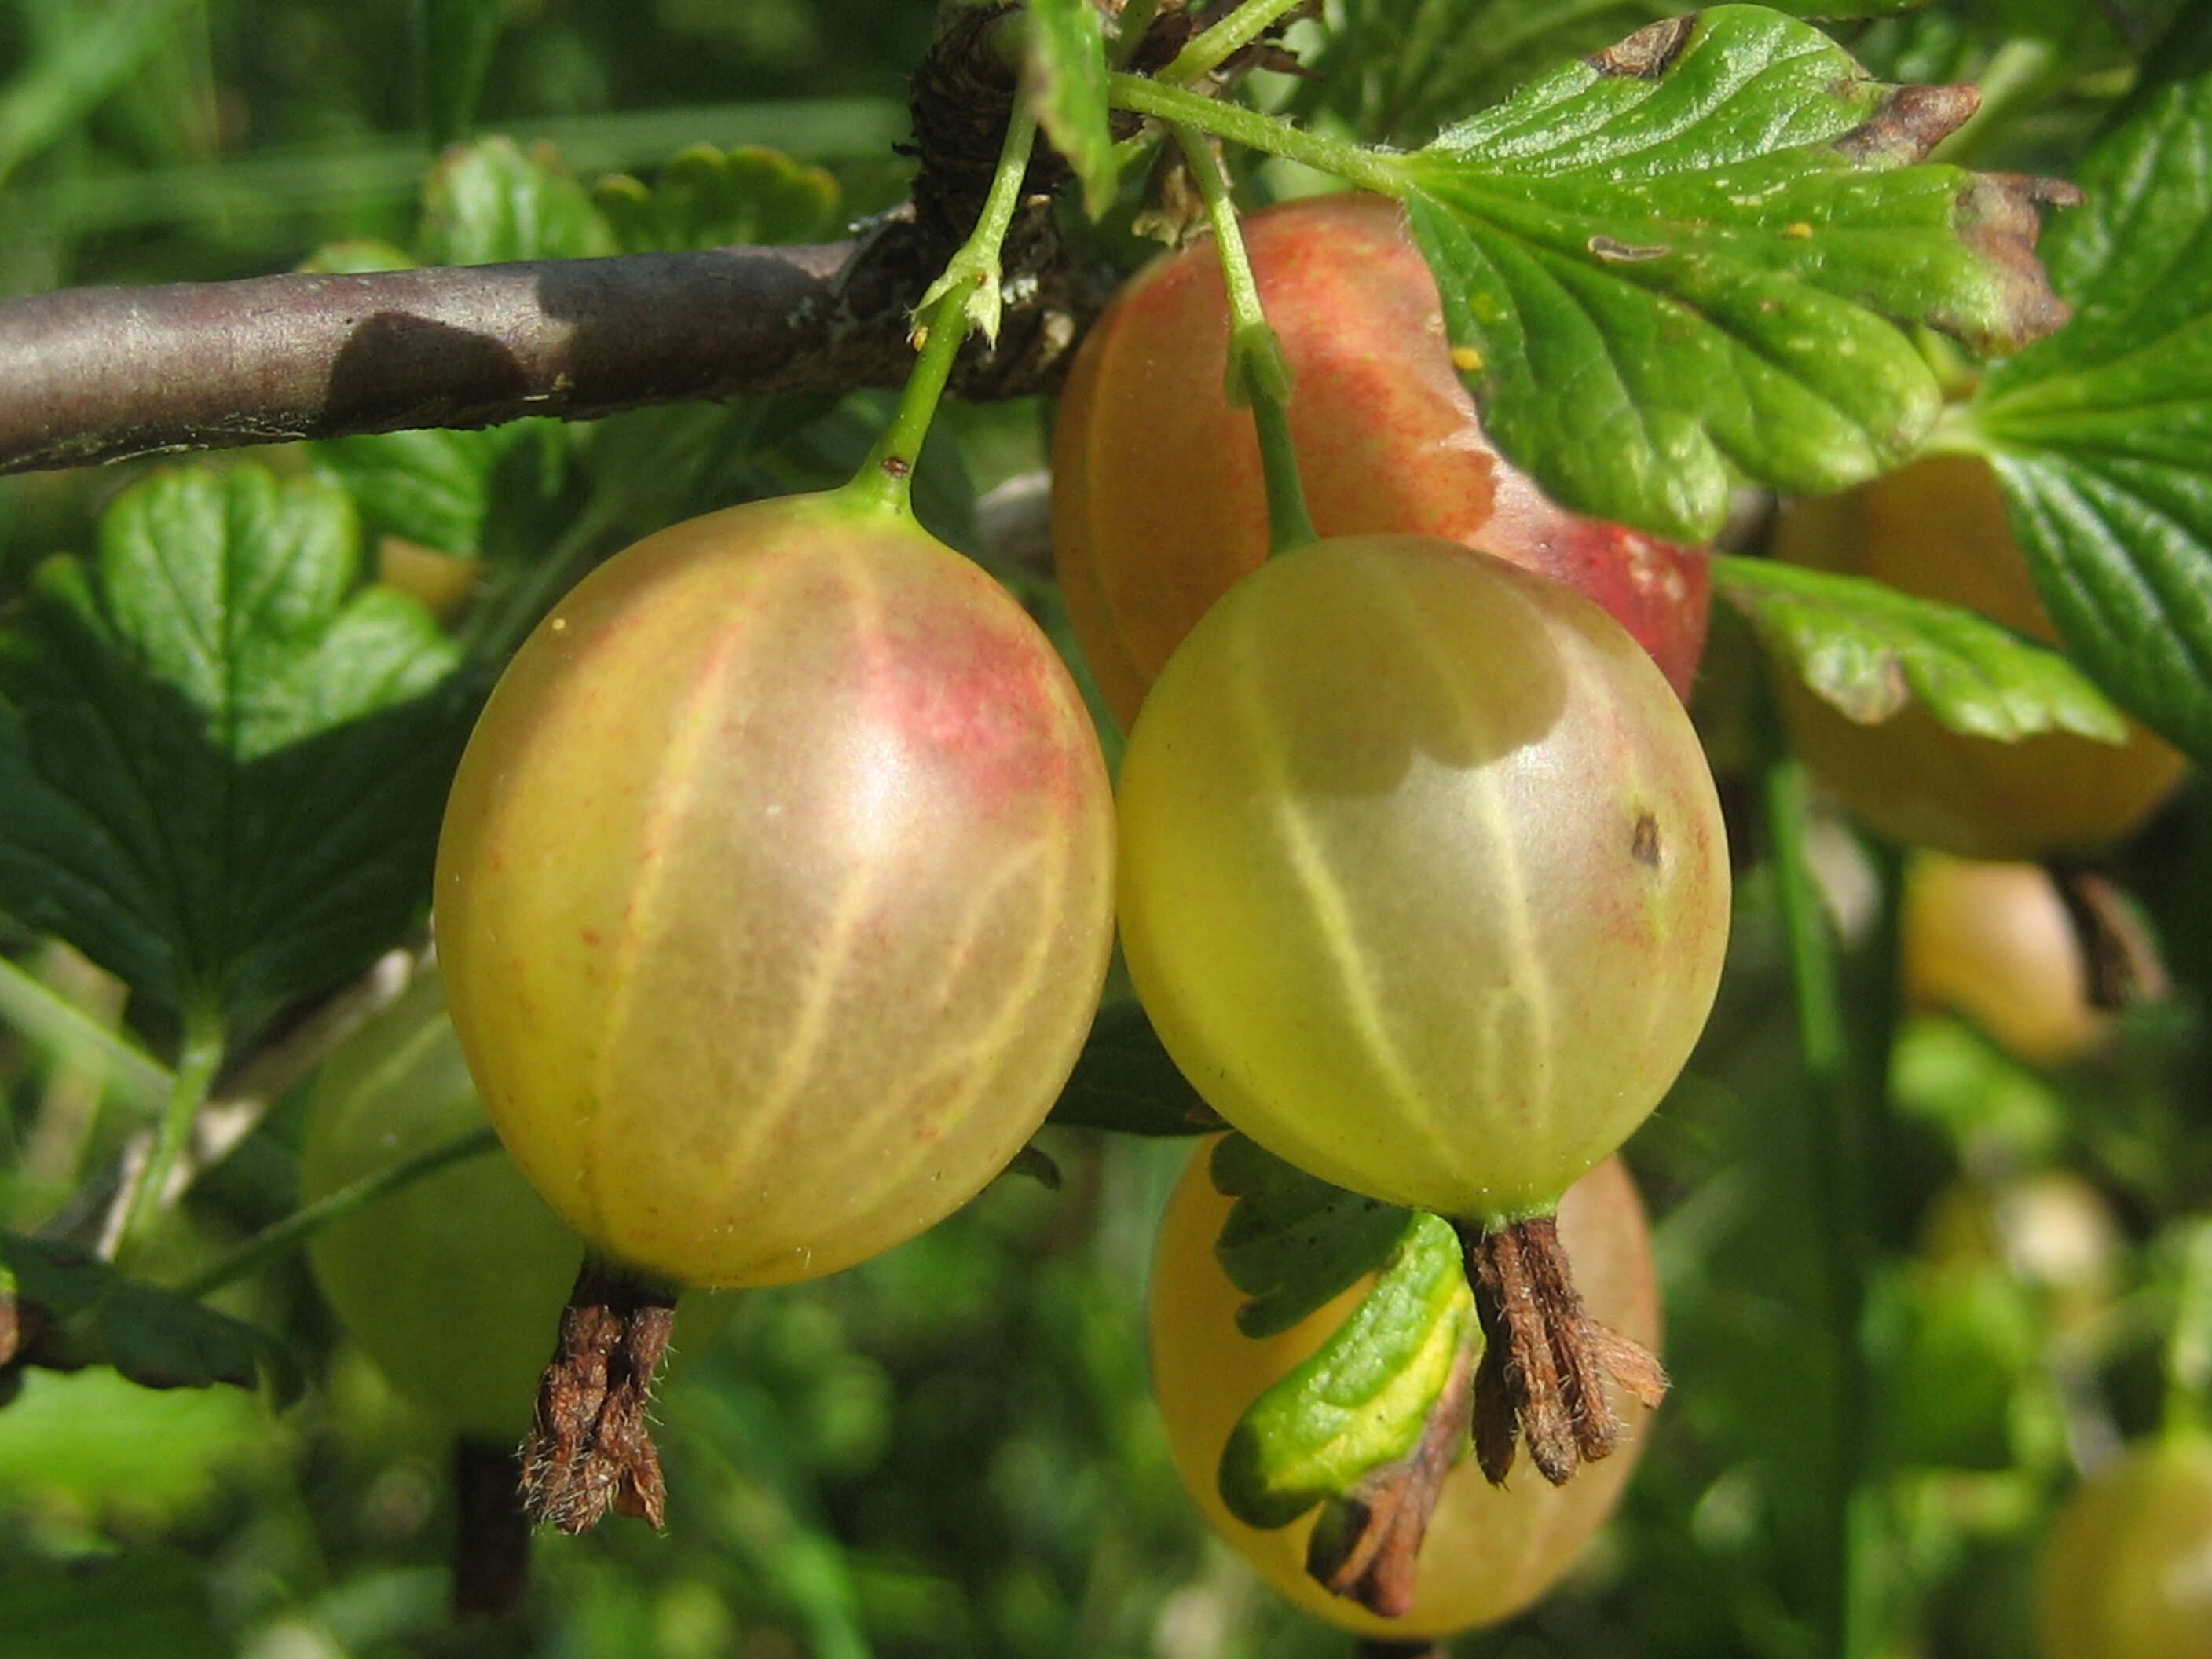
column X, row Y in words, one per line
column 1158, row 501
column 775, row 892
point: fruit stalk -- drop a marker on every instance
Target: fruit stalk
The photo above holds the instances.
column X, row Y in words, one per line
column 1256, row 375
column 966, row 293
column 590, row 1447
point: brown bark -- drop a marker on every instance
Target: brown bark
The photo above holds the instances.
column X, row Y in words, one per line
column 103, row 374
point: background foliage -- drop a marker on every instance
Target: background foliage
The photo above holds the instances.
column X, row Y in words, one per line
column 951, row 1450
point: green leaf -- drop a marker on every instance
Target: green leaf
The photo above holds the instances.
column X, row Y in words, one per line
column 1397, row 69
column 1688, row 260
column 457, row 39
column 155, row 1338
column 1123, row 1080
column 1363, row 1400
column 708, row 198
column 1064, row 82
column 430, row 485
column 1292, row 1243
column 489, row 202
column 221, row 767
column 2102, row 434
column 1868, row 649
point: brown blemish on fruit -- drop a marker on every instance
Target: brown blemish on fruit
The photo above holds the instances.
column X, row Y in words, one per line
column 1647, row 54
column 1644, row 844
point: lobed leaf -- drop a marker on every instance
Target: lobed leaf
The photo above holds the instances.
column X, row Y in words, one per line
column 1064, row 83
column 1293, row 1243
column 1868, row 649
column 1362, row 1401
column 2102, row 434
column 1396, row 69
column 1688, row 259
column 221, row 766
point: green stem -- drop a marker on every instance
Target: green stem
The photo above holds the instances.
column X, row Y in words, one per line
column 1231, row 34
column 1370, row 169
column 197, row 1064
column 309, row 1220
column 55, row 1023
column 1840, row 1188
column 966, row 294
column 1257, row 377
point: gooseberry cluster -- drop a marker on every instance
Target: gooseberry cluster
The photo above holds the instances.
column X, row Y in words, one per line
column 1422, row 880
column 777, row 882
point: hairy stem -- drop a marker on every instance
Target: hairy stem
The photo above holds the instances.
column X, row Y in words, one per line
column 1256, row 375
column 1231, row 34
column 1353, row 163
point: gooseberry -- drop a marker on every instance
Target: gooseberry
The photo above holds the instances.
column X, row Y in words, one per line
column 1423, row 877
column 1424, row 887
column 1993, row 942
column 1937, row 529
column 1489, row 1550
column 1158, row 501
column 2127, row 1568
column 775, row 892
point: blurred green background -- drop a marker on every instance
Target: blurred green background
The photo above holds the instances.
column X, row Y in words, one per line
column 951, row 1450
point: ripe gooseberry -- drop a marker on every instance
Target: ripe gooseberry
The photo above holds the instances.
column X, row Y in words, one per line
column 775, row 892
column 1490, row 1550
column 1423, row 881
column 1158, row 501
column 1937, row 529
column 2125, row 1570
column 1994, row 943
column 1424, row 887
